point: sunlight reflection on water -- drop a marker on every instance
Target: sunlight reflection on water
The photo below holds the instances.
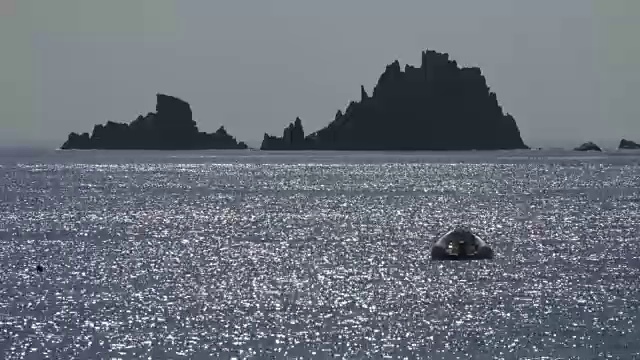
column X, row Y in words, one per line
column 298, row 258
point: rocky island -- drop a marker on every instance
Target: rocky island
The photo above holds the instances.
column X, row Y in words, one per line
column 588, row 146
column 628, row 145
column 437, row 106
column 171, row 127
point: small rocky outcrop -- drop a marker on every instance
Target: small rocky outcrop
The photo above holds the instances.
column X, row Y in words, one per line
column 628, row 145
column 292, row 139
column 171, row 127
column 588, row 146
column 437, row 106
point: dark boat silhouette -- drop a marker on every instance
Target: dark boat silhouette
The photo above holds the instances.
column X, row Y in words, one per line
column 461, row 244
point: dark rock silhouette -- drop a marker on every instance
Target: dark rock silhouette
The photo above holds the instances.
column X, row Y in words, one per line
column 39, row 268
column 437, row 106
column 628, row 144
column 588, row 146
column 171, row 127
column 292, row 139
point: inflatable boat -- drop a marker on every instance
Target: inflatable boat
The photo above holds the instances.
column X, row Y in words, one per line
column 461, row 244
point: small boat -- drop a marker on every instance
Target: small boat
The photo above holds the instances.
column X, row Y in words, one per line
column 461, row 244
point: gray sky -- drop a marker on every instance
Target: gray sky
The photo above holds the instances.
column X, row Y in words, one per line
column 566, row 70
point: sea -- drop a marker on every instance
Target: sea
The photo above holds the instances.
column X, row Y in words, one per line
column 317, row 255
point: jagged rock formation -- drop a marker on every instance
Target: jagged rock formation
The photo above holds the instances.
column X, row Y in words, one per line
column 628, row 145
column 171, row 127
column 292, row 139
column 588, row 146
column 437, row 106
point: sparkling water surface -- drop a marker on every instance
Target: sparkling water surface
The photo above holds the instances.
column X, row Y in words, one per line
column 248, row 254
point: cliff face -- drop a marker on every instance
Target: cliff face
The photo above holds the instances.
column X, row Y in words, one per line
column 171, row 127
column 437, row 106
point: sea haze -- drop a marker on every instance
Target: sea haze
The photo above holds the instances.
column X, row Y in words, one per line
column 248, row 254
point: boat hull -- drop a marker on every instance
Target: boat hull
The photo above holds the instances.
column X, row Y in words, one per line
column 445, row 247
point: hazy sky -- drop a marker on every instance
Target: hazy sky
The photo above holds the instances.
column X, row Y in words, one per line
column 567, row 70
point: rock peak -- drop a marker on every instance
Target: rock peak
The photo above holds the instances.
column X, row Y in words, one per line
column 363, row 93
column 437, row 106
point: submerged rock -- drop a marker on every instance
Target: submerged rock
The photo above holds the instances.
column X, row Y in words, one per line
column 171, row 127
column 437, row 106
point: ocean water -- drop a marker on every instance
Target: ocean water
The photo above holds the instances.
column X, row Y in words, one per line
column 292, row 255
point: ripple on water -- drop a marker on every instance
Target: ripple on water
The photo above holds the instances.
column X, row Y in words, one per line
column 165, row 259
